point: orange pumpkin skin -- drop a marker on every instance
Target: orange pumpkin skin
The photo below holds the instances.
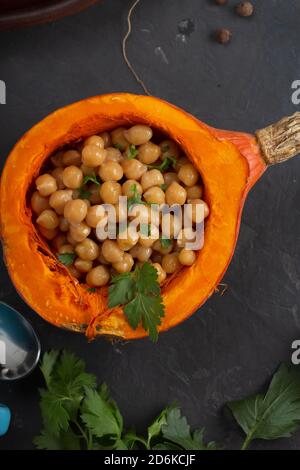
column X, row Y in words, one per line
column 229, row 163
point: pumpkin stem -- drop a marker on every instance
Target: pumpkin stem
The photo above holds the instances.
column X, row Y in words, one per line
column 281, row 141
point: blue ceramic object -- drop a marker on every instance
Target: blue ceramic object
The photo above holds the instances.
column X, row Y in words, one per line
column 19, row 346
column 5, row 417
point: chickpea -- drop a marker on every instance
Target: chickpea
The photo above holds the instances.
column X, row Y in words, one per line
column 94, row 140
column 125, row 265
column 59, row 241
column 75, row 211
column 121, row 212
column 66, row 248
column 154, row 195
column 180, row 162
column 118, row 138
column 59, row 199
column 170, row 177
column 105, row 136
column 71, row 240
column 94, row 197
column 110, row 191
column 149, row 153
column 63, row 224
column 148, row 241
column 170, row 263
column 133, row 169
column 48, row 233
column 156, row 257
column 94, row 215
column 170, row 225
column 138, row 134
column 111, row 171
column 141, row 213
column 80, row 232
column 39, row 203
column 127, row 243
column 186, row 235
column 142, row 253
column 198, row 205
column 71, row 157
column 46, row 185
column 48, row 219
column 113, row 155
column 101, row 258
column 87, row 171
column 87, row 250
column 57, row 173
column 98, row 276
column 163, row 250
column 175, row 194
column 161, row 273
column 194, row 192
column 187, row 257
column 129, row 185
column 83, row 266
column 93, row 156
column 72, row 177
column 73, row 271
column 56, row 159
column 152, row 178
column 111, row 251
column 188, row 174
column 169, row 149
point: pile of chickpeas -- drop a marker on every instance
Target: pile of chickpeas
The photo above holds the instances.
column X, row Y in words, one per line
column 68, row 211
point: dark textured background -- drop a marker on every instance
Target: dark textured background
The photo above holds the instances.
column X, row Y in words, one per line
column 231, row 347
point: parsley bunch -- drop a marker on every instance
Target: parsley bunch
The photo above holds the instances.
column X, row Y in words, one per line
column 139, row 291
column 79, row 415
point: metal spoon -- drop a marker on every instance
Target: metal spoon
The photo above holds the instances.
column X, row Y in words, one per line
column 19, row 345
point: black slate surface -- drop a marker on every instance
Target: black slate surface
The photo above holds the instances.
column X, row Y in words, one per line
column 231, row 347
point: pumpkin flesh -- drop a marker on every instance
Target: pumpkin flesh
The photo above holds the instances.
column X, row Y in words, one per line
column 229, row 164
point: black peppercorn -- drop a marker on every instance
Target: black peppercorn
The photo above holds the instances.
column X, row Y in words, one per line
column 223, row 36
column 245, row 9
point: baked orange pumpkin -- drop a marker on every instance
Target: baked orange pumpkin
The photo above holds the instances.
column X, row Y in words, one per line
column 220, row 156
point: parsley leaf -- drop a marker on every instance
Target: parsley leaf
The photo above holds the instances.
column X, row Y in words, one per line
column 177, row 430
column 119, row 147
column 136, row 198
column 166, row 163
column 84, row 193
column 165, row 242
column 66, row 258
column 91, row 178
column 140, row 293
column 132, row 152
column 101, row 415
column 275, row 414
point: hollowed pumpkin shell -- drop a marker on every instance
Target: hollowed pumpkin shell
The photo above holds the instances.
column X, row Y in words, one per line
column 229, row 163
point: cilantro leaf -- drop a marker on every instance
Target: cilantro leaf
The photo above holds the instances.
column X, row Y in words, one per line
column 55, row 415
column 154, row 429
column 67, row 440
column 177, row 430
column 66, row 258
column 146, row 279
column 164, row 186
column 275, row 414
column 91, row 290
column 101, row 416
column 119, row 147
column 91, row 178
